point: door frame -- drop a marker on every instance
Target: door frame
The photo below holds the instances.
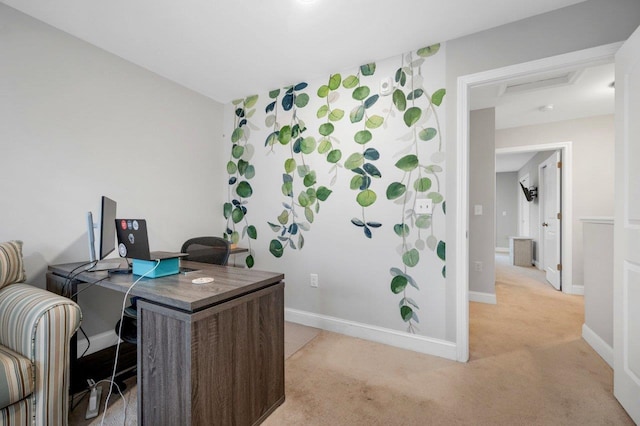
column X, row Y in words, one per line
column 592, row 56
column 566, row 259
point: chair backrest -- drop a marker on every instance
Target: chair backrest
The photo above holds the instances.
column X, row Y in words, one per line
column 213, row 250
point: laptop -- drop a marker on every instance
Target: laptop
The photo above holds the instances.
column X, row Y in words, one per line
column 133, row 241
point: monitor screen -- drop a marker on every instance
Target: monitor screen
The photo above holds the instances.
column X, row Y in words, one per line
column 107, row 227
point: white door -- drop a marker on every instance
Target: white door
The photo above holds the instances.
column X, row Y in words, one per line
column 523, row 229
column 549, row 193
column 626, row 288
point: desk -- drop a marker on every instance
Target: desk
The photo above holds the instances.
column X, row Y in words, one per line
column 208, row 354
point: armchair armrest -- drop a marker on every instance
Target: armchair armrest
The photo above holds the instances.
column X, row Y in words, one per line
column 39, row 324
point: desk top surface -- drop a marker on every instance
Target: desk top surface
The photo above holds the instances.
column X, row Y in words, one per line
column 178, row 291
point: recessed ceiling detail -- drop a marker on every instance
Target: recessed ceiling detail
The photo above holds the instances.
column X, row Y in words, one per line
column 545, row 82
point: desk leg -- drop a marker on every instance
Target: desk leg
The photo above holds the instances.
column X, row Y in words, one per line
column 219, row 366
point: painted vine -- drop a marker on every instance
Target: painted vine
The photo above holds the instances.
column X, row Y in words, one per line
column 290, row 226
column 418, row 178
column 240, row 171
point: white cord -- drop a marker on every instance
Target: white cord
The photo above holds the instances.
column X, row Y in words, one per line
column 124, row 400
column 115, row 363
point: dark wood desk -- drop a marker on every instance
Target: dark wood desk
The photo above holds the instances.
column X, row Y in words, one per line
column 208, row 354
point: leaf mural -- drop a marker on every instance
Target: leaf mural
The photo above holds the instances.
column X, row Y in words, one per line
column 299, row 180
column 417, row 107
column 347, row 122
column 364, row 172
column 240, row 171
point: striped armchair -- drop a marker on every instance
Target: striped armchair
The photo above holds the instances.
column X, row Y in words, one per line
column 35, row 329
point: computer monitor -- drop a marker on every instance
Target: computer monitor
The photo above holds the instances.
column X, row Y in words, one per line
column 107, row 227
column 107, row 236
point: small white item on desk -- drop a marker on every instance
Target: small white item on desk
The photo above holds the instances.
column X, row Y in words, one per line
column 202, row 280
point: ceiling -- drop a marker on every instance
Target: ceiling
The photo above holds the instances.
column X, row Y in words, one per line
column 225, row 49
column 578, row 93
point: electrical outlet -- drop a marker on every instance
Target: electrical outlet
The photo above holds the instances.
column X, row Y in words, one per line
column 424, row 206
column 477, row 266
column 313, row 280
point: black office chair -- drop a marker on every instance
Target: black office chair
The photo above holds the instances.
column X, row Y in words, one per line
column 213, row 250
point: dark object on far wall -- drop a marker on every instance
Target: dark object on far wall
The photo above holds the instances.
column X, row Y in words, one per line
column 530, row 193
column 214, row 250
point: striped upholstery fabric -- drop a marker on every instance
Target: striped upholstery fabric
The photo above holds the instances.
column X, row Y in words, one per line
column 38, row 325
column 11, row 266
column 16, row 377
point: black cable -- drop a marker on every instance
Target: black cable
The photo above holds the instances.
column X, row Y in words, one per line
column 71, row 276
column 91, row 284
column 88, row 343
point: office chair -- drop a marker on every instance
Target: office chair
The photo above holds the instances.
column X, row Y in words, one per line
column 213, row 250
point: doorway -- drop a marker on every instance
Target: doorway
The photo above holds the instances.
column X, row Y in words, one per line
column 594, row 56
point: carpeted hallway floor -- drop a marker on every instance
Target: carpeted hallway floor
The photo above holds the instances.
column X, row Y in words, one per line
column 529, row 366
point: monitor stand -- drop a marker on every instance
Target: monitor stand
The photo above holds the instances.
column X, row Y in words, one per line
column 105, row 265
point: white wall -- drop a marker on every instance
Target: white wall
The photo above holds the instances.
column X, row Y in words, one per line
column 78, row 123
column 593, row 174
column 507, row 197
column 482, row 194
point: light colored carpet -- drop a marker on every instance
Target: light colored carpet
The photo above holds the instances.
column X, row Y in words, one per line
column 529, row 366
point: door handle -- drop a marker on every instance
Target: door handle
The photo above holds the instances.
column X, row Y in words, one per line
column 545, row 224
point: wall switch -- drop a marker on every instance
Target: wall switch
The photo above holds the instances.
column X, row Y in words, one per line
column 477, row 209
column 313, row 280
column 477, row 266
column 424, row 206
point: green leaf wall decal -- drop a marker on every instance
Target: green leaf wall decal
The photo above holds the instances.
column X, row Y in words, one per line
column 412, row 115
column 252, row 232
column 442, row 250
column 427, row 134
column 302, row 100
column 437, row 96
column 411, row 258
column 406, row 312
column 334, row 156
column 368, row 69
column 355, row 160
column 323, row 193
column 237, row 215
column 398, row 283
column 422, row 184
column 361, row 93
column 362, row 137
column 336, row 114
column 244, row 189
column 407, row 163
column 289, row 165
column 366, row 198
column 374, row 122
column 334, row 81
column 395, row 190
column 276, row 248
column 326, row 129
column 429, row 50
column 350, row 82
column 357, row 114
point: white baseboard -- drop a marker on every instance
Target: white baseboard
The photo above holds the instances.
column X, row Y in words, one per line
column 537, row 264
column 577, row 289
column 98, row 342
column 502, row 249
column 600, row 346
column 413, row 342
column 478, row 296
